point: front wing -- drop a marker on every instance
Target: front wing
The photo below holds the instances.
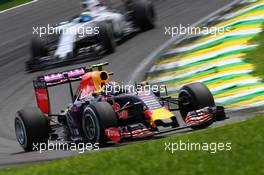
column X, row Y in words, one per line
column 205, row 116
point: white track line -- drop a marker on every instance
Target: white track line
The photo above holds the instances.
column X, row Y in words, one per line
column 21, row 5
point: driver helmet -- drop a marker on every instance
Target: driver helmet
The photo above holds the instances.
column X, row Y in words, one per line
column 86, row 16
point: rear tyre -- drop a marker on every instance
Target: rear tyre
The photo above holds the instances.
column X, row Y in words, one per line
column 195, row 96
column 106, row 36
column 143, row 14
column 98, row 117
column 31, row 127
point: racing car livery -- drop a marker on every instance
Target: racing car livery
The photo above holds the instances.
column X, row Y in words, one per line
column 92, row 33
column 99, row 115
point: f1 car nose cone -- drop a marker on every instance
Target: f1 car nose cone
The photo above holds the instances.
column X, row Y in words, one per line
column 159, row 115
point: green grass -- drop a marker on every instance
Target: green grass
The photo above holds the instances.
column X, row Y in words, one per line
column 245, row 157
column 6, row 4
column 256, row 56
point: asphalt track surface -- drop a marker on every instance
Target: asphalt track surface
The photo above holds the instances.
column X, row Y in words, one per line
column 16, row 89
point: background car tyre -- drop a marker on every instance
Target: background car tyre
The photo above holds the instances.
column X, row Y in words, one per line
column 98, row 117
column 38, row 48
column 143, row 14
column 31, row 126
column 195, row 96
column 106, row 36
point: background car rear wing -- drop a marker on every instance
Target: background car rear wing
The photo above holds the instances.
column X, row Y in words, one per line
column 42, row 83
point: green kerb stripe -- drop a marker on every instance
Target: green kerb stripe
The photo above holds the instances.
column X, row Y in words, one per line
column 240, row 99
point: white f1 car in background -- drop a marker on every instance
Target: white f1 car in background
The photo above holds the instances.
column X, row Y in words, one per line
column 92, row 33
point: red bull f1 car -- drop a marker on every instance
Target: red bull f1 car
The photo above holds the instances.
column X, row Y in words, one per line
column 102, row 116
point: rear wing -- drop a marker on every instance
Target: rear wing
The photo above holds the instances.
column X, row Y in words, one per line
column 42, row 83
column 62, row 77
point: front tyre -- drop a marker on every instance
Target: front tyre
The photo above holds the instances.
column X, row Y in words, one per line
column 195, row 96
column 98, row 117
column 31, row 127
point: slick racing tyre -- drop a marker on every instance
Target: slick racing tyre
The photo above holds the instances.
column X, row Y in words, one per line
column 98, row 117
column 143, row 14
column 195, row 96
column 106, row 36
column 38, row 48
column 31, row 127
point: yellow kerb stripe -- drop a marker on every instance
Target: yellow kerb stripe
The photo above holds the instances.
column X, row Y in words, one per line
column 216, row 72
column 235, row 29
column 206, row 51
column 223, row 83
column 238, row 90
column 238, row 18
column 245, row 102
